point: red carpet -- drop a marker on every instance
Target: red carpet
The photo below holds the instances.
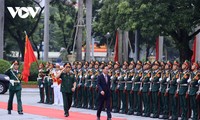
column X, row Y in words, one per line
column 54, row 113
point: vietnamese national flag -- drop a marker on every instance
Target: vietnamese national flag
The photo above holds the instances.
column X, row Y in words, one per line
column 29, row 57
column 116, row 47
column 194, row 50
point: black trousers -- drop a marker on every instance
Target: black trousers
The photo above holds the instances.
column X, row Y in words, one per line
column 101, row 101
column 67, row 101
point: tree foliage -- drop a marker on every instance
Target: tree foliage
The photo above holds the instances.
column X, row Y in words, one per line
column 177, row 19
column 64, row 15
column 15, row 27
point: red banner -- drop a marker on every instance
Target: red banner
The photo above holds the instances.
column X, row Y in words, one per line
column 116, row 47
column 29, row 57
column 194, row 50
column 157, row 48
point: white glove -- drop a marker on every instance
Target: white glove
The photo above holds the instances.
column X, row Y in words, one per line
column 11, row 66
column 80, row 76
column 85, row 76
column 199, row 82
column 111, row 77
column 178, row 80
column 189, row 80
column 141, row 78
column 168, row 79
column 125, row 78
column 12, row 82
column 92, row 77
column 160, row 79
column 125, row 87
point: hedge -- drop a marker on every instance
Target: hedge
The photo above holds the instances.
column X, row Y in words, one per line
column 4, row 65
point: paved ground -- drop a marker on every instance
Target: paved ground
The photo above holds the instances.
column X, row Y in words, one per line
column 30, row 96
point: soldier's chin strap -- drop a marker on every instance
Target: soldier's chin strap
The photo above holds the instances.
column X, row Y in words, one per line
column 13, row 81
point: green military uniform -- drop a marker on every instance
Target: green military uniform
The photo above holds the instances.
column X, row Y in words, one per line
column 89, row 86
column 50, row 88
column 184, row 76
column 46, row 88
column 129, row 90
column 192, row 93
column 155, row 85
column 94, row 85
column 14, row 88
column 164, row 98
column 78, row 92
column 136, row 88
column 75, row 93
column 68, row 80
column 114, row 83
column 85, row 94
column 74, row 70
column 40, row 81
column 164, row 105
column 80, row 88
column 172, row 91
column 121, row 90
column 145, row 89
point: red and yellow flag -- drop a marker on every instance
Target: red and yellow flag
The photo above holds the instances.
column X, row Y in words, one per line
column 29, row 57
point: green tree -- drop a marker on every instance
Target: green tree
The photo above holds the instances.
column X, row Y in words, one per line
column 64, row 16
column 177, row 19
column 15, row 27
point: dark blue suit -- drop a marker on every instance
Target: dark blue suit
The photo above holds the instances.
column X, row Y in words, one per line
column 103, row 86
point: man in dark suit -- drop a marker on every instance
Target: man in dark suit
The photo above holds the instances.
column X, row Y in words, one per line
column 103, row 83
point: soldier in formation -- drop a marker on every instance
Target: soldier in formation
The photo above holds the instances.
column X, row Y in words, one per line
column 158, row 90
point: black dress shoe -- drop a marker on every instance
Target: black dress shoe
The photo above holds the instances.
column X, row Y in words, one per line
column 138, row 114
column 98, row 118
column 46, row 103
column 40, row 102
column 164, row 117
column 9, row 111
column 115, row 111
column 155, row 116
column 129, row 113
column 84, row 106
column 122, row 112
column 66, row 114
column 20, row 112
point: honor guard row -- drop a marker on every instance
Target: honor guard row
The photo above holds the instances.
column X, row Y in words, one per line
column 158, row 90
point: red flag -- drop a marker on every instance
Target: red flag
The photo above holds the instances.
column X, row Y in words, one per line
column 157, row 48
column 116, row 47
column 29, row 57
column 194, row 50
